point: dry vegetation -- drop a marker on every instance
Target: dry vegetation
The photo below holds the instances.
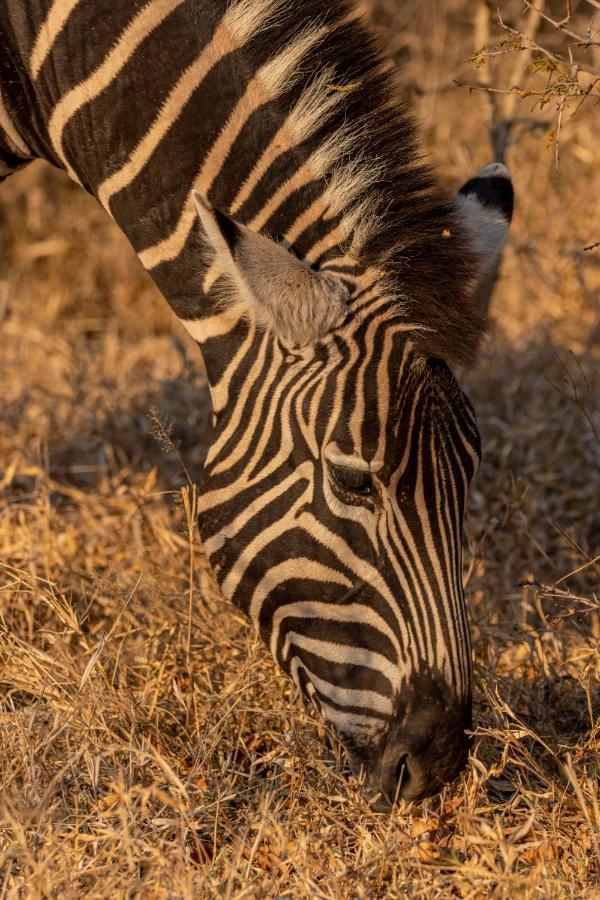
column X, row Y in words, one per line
column 134, row 765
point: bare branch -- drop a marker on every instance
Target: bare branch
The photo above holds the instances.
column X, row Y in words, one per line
column 541, row 49
column 533, row 23
column 582, row 41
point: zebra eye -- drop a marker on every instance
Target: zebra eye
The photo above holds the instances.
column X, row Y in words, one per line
column 354, row 480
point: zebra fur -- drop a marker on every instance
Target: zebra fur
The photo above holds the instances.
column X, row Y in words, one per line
column 326, row 281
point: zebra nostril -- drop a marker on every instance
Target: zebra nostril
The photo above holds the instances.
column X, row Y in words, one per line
column 412, row 778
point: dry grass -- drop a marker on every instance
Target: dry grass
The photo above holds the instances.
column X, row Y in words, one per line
column 130, row 768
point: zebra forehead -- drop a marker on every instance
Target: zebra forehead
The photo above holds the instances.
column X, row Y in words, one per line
column 376, row 373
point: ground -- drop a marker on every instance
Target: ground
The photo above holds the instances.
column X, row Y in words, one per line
column 148, row 745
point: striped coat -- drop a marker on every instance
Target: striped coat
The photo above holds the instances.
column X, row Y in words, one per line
column 256, row 157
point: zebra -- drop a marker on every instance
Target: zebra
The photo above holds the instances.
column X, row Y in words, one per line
column 257, row 157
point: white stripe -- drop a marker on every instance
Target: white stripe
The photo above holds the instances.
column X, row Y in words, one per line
column 356, row 614
column 268, row 534
column 270, row 81
column 241, row 21
column 420, row 642
column 237, row 413
column 361, row 568
column 431, row 554
column 52, row 26
column 6, row 123
column 320, row 378
column 219, row 390
column 286, row 437
column 341, row 695
column 143, row 24
column 212, row 326
column 353, row 722
column 345, row 655
column 291, row 377
column 290, row 569
column 216, row 541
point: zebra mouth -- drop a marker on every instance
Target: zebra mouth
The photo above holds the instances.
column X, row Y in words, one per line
column 426, row 746
column 404, row 775
column 404, row 778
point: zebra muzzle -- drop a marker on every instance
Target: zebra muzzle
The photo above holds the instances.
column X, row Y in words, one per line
column 425, row 748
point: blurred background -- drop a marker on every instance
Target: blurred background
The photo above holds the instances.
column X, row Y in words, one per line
column 104, row 418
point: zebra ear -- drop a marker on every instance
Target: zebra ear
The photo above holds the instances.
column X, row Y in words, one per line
column 485, row 205
column 288, row 297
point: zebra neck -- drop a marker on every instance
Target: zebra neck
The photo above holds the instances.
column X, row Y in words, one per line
column 281, row 114
column 14, row 150
column 168, row 100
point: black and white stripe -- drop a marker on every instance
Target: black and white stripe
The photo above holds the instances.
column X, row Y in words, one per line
column 328, row 280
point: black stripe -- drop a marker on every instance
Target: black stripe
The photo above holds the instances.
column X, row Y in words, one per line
column 494, row 192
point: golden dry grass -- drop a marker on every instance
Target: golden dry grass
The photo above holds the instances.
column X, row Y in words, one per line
column 134, row 765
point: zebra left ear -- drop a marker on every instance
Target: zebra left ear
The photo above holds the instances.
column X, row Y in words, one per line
column 296, row 302
column 485, row 205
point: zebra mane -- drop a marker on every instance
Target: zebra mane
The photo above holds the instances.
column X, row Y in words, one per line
column 345, row 115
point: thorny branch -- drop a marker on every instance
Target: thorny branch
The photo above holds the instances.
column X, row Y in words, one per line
column 544, row 50
column 562, row 25
column 569, row 83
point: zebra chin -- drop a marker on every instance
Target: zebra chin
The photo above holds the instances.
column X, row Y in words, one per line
column 415, row 754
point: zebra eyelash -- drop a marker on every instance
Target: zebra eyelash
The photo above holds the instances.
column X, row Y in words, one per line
column 355, row 481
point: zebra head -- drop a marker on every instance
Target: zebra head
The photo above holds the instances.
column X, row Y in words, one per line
column 334, row 493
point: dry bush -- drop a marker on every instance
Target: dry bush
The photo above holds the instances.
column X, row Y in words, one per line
column 132, row 767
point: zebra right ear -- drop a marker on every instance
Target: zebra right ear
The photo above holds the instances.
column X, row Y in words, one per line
column 288, row 297
column 485, row 205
